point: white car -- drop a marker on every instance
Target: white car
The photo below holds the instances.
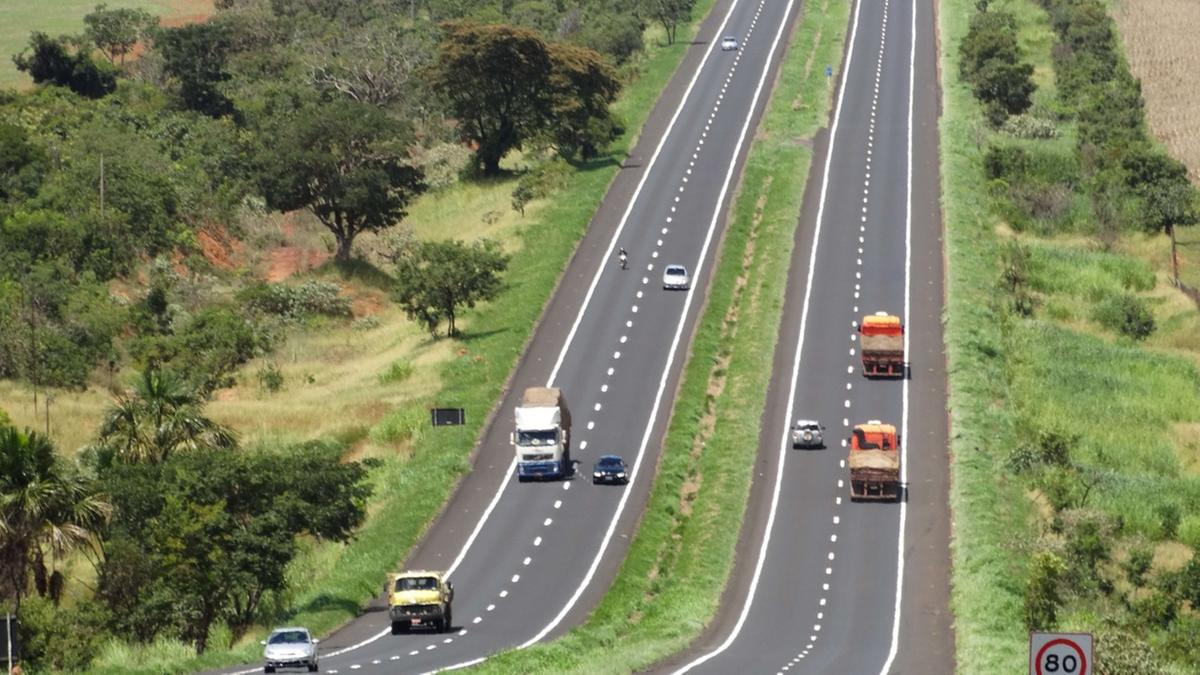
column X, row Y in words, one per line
column 675, row 277
column 729, row 43
column 290, row 648
column 807, row 434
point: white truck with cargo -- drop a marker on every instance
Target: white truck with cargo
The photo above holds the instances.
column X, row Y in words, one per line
column 543, row 434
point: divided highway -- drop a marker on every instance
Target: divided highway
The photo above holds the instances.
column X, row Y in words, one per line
column 824, row 585
column 529, row 560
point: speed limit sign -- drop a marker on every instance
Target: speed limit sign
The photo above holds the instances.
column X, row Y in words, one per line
column 1061, row 654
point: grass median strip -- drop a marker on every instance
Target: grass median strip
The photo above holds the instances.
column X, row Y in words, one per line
column 671, row 581
column 331, row 583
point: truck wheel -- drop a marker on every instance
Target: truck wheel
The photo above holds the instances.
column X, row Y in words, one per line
column 397, row 627
column 448, row 622
column 268, row 669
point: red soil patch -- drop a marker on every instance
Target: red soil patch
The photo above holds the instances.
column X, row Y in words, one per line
column 285, row 261
column 219, row 248
column 367, row 303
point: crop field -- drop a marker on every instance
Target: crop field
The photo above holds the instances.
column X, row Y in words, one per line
column 1159, row 39
column 19, row 18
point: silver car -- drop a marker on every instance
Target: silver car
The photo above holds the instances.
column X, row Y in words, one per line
column 290, row 648
column 675, row 277
column 729, row 43
column 808, row 434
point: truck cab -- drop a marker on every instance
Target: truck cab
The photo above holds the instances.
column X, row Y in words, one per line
column 542, row 436
column 420, row 598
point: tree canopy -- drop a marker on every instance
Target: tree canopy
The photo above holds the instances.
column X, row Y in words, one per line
column 506, row 86
column 346, row 162
column 435, row 278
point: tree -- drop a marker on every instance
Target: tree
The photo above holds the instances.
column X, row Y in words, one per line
column 116, row 31
column 435, row 278
column 991, row 37
column 1005, row 88
column 196, row 54
column 670, row 13
column 1169, row 200
column 345, row 162
column 583, row 86
column 496, row 80
column 204, row 538
column 49, row 60
column 22, row 163
column 161, row 417
column 506, row 86
column 378, row 65
column 45, row 507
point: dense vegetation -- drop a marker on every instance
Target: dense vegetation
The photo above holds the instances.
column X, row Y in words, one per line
column 1075, row 393
column 113, row 168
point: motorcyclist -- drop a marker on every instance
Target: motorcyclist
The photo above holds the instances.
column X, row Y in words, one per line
column 624, row 258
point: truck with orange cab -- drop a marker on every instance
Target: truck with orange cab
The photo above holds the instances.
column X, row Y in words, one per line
column 874, row 462
column 882, row 345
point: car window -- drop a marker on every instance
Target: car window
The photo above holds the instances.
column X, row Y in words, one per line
column 288, row 637
column 675, row 270
column 416, row 584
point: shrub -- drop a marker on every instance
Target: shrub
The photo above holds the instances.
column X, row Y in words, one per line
column 1127, row 315
column 1028, row 126
column 443, row 164
column 1042, row 597
column 1155, row 609
column 52, row 639
column 297, row 302
column 1006, row 162
column 540, row 181
column 1120, row 652
column 1138, row 563
column 1189, row 531
column 397, row 372
column 1168, row 518
column 270, row 378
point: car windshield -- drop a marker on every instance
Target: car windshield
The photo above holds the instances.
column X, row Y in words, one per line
column 730, row 38
column 610, row 462
column 549, row 437
column 677, row 271
column 288, row 637
column 806, row 426
column 416, row 584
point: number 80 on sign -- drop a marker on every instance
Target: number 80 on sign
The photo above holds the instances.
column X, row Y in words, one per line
column 1060, row 654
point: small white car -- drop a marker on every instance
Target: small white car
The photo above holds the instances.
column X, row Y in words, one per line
column 675, row 277
column 808, row 434
column 729, row 43
column 290, row 648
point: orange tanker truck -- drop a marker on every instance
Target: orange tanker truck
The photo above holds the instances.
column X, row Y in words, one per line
column 874, row 462
column 882, row 345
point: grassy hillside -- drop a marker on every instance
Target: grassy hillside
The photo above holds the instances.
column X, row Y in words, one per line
column 19, row 18
column 1072, row 442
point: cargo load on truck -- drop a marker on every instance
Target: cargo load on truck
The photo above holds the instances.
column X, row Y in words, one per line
column 874, row 462
column 882, row 345
column 543, row 434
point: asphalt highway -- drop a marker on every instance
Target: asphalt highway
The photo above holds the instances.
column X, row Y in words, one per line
column 823, row 584
column 529, row 560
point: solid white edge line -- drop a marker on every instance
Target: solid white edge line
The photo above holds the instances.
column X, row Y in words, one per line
column 912, row 76
column 718, row 211
column 812, row 264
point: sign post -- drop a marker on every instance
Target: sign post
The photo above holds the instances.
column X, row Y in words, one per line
column 1061, row 654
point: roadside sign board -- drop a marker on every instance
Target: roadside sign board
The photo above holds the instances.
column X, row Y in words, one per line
column 1061, row 654
column 448, row 416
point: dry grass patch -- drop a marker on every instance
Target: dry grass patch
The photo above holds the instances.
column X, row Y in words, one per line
column 1187, row 445
column 1159, row 39
column 1170, row 556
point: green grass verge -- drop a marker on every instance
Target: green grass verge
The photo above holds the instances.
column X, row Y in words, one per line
column 19, row 18
column 670, row 583
column 1126, row 402
column 410, row 490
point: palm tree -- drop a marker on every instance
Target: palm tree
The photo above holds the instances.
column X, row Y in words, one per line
column 161, row 416
column 44, row 506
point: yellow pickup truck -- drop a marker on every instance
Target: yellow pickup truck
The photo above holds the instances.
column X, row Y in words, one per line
column 419, row 598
